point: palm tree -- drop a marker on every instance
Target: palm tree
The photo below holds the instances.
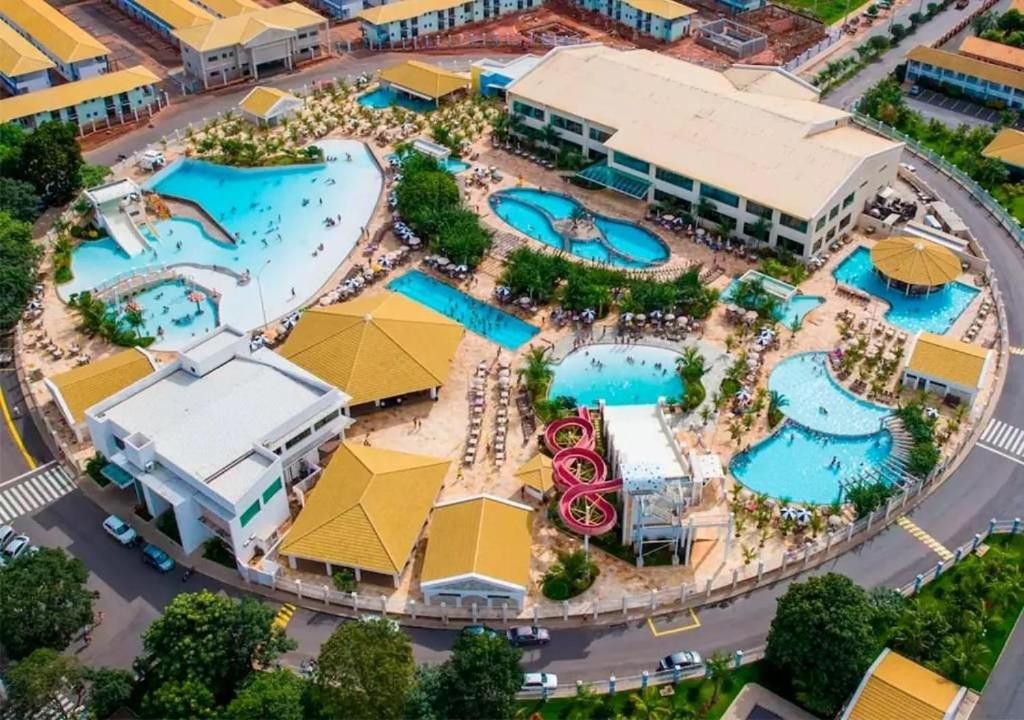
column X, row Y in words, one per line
column 134, row 320
column 691, row 364
column 776, row 401
column 536, row 371
column 717, row 668
column 584, row 703
column 648, row 704
column 576, row 569
column 736, row 432
column 963, row 656
column 795, row 325
column 706, row 208
column 761, row 229
column 551, row 137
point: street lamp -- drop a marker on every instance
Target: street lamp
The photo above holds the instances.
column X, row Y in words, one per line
column 259, row 289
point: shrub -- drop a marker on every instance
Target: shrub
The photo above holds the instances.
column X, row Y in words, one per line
column 344, row 580
column 556, row 588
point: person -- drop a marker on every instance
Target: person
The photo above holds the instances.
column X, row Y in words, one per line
column 293, row 292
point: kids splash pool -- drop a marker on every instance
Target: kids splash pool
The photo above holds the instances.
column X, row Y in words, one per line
column 171, row 317
column 617, row 374
column 793, row 310
column 386, row 97
column 547, row 217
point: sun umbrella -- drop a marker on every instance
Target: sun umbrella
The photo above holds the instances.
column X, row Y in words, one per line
column 641, row 318
column 682, row 320
column 803, row 516
column 443, row 262
column 198, row 298
column 627, row 317
column 789, row 513
column 670, row 317
column 588, row 315
column 657, row 315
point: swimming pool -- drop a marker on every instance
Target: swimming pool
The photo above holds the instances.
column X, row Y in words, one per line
column 818, row 402
column 452, row 165
column 386, row 97
column 617, row 380
column 614, row 242
column 807, row 466
column 931, row 313
column 166, row 306
column 278, row 233
column 796, row 308
column 479, row 317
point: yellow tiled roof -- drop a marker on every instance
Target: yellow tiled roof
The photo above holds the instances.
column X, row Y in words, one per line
column 230, row 8
column 1008, row 146
column 83, row 387
column 482, row 536
column 915, row 261
column 536, row 473
column 665, row 9
column 376, row 346
column 404, row 10
column 944, row 358
column 240, row 29
column 18, row 56
column 177, row 13
column 53, row 30
column 73, row 93
column 424, row 79
column 261, row 100
column 967, row 65
column 368, row 509
column 993, row 52
column 900, row 689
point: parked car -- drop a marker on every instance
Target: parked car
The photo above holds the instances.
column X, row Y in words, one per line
column 540, row 681
column 479, row 630
column 528, row 635
column 7, row 533
column 156, row 557
column 915, row 90
column 15, row 548
column 119, row 530
column 685, row 660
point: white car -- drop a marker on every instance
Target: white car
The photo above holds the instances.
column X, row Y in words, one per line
column 540, row 681
column 7, row 534
column 15, row 548
column 119, row 530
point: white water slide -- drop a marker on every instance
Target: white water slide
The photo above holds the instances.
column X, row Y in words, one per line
column 125, row 233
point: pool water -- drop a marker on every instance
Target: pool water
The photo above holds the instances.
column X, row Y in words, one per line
column 796, row 308
column 452, row 165
column 616, row 242
column 481, row 318
column 386, row 97
column 806, row 383
column 934, row 313
column 167, row 302
column 617, row 381
column 797, row 463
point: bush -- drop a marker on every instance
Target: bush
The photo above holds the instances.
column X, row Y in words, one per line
column 344, row 580
column 94, row 467
column 556, row 588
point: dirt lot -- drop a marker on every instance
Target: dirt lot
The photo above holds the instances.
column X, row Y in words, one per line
column 131, row 43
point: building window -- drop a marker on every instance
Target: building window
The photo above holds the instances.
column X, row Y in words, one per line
column 760, row 210
column 845, row 221
column 272, row 490
column 820, row 224
column 830, row 234
column 761, row 232
column 793, row 223
column 250, row 513
column 673, row 178
column 631, row 162
column 833, row 212
column 714, row 193
column 670, row 199
column 599, row 135
column 566, row 124
column 848, row 200
column 298, row 438
column 326, row 419
column 794, row 246
column 522, row 108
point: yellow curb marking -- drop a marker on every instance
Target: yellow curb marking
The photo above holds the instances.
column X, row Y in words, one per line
column 940, row 549
column 14, row 433
column 694, row 624
column 284, row 616
column 1016, row 350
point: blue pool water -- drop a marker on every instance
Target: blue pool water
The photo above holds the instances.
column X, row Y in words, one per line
column 795, row 463
column 795, row 309
column 386, row 97
column 618, row 381
column 166, row 302
column 480, row 317
column 931, row 313
column 616, row 242
column 452, row 165
column 808, row 386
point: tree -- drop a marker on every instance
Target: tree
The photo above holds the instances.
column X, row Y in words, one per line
column 425, row 698
column 717, row 666
column 572, row 574
column 276, row 694
column 19, row 257
column 51, row 161
column 649, row 704
column 776, row 401
column 536, row 369
column 481, row 678
column 898, row 31
column 210, row 639
column 110, row 689
column 821, row 638
column 39, row 681
column 365, row 669
column 584, row 703
column 173, row 700
column 43, row 601
column 19, row 199
column 93, row 175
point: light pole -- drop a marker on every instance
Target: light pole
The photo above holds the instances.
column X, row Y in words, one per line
column 259, row 289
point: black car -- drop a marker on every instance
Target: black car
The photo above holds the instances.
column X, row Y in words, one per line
column 528, row 635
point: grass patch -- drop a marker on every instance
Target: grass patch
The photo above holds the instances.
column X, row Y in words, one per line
column 828, row 11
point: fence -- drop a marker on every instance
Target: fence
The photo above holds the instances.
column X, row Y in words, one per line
column 474, row 40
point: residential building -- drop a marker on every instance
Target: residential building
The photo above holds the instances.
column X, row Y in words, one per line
column 82, row 387
column 666, row 20
column 405, row 20
column 99, row 101
column 268, row 106
column 365, row 513
column 490, row 77
column 897, row 688
column 980, row 80
column 218, row 437
column 243, row 46
column 992, row 52
column 76, row 54
column 1008, row 147
column 752, row 146
column 166, row 16
column 946, row 367
column 228, row 8
column 23, row 66
column 478, row 550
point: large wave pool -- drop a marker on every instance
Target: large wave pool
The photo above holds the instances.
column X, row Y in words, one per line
column 615, row 242
column 934, row 313
column 818, row 402
column 617, row 374
column 808, row 466
column 481, row 318
column 795, row 309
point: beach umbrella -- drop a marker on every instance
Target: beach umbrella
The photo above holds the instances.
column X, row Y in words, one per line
column 524, row 301
column 462, row 269
column 657, row 315
column 669, row 317
column 803, row 516
column 588, row 315
column 198, row 298
column 789, row 513
column 670, row 218
column 682, row 320
column 641, row 318
column 443, row 262
column 627, row 317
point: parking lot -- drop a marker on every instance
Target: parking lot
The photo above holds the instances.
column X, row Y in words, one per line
column 131, row 43
column 969, row 110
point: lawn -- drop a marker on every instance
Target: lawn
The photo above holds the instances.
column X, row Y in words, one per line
column 828, row 11
column 1015, row 204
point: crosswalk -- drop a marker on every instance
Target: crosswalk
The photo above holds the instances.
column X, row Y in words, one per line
column 938, row 548
column 284, row 616
column 29, row 492
column 68, row 709
column 1004, row 439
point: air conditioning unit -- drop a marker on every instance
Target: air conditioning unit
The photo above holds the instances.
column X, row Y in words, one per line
column 148, row 467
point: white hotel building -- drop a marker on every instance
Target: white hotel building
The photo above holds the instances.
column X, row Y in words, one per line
column 219, row 436
column 753, row 141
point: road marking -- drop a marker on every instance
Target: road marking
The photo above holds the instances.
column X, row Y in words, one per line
column 939, row 549
column 1003, row 439
column 33, row 490
column 1016, row 350
column 29, row 460
column 694, row 624
column 1011, row 458
column 284, row 616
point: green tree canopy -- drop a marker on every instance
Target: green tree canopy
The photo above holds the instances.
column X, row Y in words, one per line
column 19, row 257
column 277, row 695
column 51, row 160
column 43, row 601
column 425, row 196
column 19, row 200
column 481, row 678
column 110, row 689
column 38, row 682
column 188, row 700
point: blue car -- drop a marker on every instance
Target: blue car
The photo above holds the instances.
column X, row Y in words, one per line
column 156, row 557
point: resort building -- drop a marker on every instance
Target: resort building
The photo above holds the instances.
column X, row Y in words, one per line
column 751, row 147
column 397, row 22
column 535, row 474
column 491, row 77
column 76, row 54
column 949, row 368
column 23, row 67
column 896, row 688
column 478, row 550
column 82, row 387
column 218, row 437
column 166, row 16
column 1008, row 147
column 377, row 348
column 244, row 46
column 97, row 102
column 268, row 106
column 417, row 79
column 228, row 8
column 981, row 80
column 365, row 513
column 666, row 20
column 913, row 265
column 992, row 52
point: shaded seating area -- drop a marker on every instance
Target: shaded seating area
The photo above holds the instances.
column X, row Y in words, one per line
column 424, row 81
column 913, row 265
column 602, row 174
